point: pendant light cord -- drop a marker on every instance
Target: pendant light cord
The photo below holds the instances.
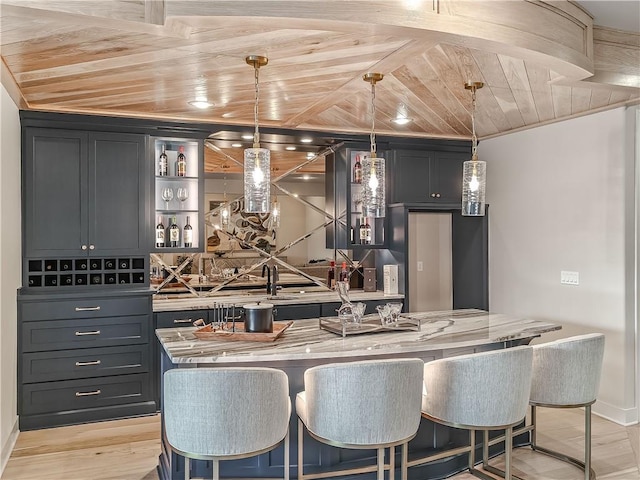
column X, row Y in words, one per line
column 474, row 138
column 256, row 134
column 372, row 136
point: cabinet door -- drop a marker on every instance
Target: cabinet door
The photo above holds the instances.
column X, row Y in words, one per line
column 116, row 194
column 445, row 177
column 55, row 195
column 410, row 177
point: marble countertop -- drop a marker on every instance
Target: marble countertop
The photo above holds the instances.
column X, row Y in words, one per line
column 163, row 303
column 304, row 339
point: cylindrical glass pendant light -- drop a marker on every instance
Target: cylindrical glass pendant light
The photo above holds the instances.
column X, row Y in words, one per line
column 474, row 179
column 225, row 208
column 276, row 213
column 373, row 166
column 257, row 161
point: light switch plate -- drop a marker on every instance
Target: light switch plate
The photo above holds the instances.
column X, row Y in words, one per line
column 420, row 266
column 569, row 278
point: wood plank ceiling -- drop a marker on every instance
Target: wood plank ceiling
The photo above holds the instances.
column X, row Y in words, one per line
column 149, row 58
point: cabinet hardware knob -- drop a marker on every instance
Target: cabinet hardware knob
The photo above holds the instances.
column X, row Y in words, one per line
column 84, row 364
column 433, row 195
column 95, row 332
column 182, row 320
column 84, row 247
column 87, row 309
column 92, row 247
column 437, row 195
column 85, row 394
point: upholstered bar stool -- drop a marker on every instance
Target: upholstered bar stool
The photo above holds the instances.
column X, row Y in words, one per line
column 226, row 413
column 361, row 405
column 566, row 374
column 480, row 391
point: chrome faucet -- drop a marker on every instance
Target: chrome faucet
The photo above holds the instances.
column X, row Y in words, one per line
column 266, row 267
column 274, row 281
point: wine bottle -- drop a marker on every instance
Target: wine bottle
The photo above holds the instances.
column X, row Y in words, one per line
column 174, row 234
column 160, row 233
column 367, row 232
column 181, row 163
column 363, row 232
column 331, row 275
column 187, row 235
column 357, row 170
column 344, row 273
column 163, row 163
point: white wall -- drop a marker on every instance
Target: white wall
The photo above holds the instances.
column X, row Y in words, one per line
column 562, row 198
column 10, row 257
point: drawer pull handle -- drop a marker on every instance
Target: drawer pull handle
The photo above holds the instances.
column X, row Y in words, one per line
column 84, row 364
column 182, row 320
column 87, row 309
column 86, row 394
column 95, row 332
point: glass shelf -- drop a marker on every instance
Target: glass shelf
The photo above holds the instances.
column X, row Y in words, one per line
column 177, row 196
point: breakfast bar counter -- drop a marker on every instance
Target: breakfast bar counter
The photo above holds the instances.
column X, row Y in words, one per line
column 304, row 344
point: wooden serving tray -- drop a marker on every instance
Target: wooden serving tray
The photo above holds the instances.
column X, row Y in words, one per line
column 209, row 333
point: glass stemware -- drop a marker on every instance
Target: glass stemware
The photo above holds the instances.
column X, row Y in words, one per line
column 182, row 194
column 167, row 195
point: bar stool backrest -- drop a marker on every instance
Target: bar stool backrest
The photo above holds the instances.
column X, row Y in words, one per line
column 225, row 411
column 479, row 390
column 364, row 403
column 567, row 371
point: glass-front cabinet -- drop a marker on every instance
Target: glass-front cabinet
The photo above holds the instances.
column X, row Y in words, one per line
column 178, row 195
column 352, row 229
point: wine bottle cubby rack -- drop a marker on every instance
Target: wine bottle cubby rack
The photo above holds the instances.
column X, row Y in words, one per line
column 80, row 272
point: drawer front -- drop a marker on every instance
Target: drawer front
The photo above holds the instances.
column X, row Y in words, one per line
column 183, row 318
column 86, row 363
column 84, row 308
column 68, row 395
column 100, row 332
column 296, row 312
column 330, row 309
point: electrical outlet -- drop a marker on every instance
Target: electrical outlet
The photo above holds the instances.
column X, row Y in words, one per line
column 420, row 266
column 569, row 278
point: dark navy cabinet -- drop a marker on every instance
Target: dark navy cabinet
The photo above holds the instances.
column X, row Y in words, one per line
column 83, row 358
column 84, row 193
column 427, row 176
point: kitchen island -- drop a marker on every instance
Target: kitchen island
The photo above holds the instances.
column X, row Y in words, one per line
column 441, row 334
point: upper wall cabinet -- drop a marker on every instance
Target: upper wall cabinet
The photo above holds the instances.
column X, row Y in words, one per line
column 84, row 193
column 178, row 194
column 426, row 176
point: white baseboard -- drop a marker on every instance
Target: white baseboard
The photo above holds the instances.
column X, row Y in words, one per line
column 7, row 448
column 622, row 416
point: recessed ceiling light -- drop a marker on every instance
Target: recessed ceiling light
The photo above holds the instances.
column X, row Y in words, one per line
column 202, row 104
column 310, row 154
column 247, row 136
column 306, row 177
column 236, row 145
column 306, row 140
column 401, row 120
column 290, row 148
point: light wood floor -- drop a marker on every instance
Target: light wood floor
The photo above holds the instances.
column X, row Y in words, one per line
column 129, row 449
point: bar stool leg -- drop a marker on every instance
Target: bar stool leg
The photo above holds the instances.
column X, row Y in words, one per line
column 300, row 449
column 392, row 463
column 587, row 442
column 287, row 460
column 216, row 469
column 380, row 463
column 472, row 451
column 485, row 448
column 404, row 459
column 508, row 447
